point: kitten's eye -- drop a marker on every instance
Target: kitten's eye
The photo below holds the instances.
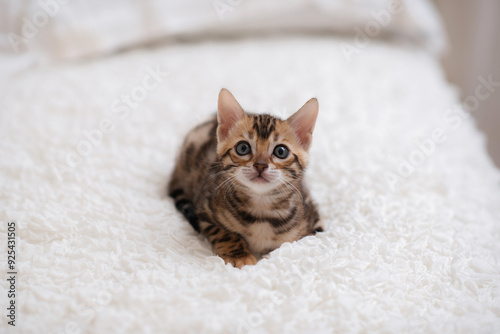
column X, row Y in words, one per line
column 281, row 151
column 243, row 148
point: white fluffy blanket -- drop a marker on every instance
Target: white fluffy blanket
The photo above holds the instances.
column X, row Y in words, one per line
column 413, row 219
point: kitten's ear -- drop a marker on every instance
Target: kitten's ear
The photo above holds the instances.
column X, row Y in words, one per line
column 303, row 122
column 229, row 112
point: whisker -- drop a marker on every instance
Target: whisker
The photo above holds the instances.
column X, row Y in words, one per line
column 223, row 183
column 214, row 165
column 231, row 185
column 294, row 187
column 214, row 175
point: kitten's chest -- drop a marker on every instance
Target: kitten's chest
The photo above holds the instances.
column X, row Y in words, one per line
column 262, row 237
column 263, row 233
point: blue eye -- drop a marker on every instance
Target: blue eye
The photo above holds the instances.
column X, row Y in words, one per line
column 243, row 148
column 281, row 151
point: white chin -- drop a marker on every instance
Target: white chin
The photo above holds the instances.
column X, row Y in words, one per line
column 260, row 185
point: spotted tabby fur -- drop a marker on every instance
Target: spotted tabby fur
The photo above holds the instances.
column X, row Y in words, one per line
column 236, row 184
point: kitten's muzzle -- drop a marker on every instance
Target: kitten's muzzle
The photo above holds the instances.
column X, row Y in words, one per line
column 260, row 167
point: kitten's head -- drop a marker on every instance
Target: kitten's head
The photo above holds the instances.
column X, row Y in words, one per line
column 263, row 152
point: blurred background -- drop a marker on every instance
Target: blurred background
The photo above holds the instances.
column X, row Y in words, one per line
column 84, row 29
column 474, row 50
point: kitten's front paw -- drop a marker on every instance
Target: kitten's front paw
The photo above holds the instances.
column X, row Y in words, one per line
column 239, row 262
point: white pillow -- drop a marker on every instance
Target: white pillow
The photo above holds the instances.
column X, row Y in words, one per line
column 50, row 30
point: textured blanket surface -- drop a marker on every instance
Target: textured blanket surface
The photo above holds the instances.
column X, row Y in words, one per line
column 410, row 200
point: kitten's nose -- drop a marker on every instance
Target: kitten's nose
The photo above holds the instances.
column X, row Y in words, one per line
column 260, row 166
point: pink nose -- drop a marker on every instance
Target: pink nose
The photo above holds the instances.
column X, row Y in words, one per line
column 260, row 167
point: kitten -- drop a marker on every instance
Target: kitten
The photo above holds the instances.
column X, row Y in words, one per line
column 238, row 180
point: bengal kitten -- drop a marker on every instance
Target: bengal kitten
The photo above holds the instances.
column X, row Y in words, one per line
column 238, row 180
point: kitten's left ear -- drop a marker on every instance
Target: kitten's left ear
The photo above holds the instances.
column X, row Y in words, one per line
column 303, row 122
column 229, row 112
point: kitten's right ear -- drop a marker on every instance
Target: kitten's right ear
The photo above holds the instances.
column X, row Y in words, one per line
column 229, row 112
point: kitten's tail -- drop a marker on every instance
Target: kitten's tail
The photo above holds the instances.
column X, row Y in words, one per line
column 186, row 207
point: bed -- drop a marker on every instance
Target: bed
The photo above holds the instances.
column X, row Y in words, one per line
column 408, row 194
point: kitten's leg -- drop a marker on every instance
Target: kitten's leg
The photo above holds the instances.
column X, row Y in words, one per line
column 313, row 219
column 231, row 247
column 317, row 227
column 185, row 206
